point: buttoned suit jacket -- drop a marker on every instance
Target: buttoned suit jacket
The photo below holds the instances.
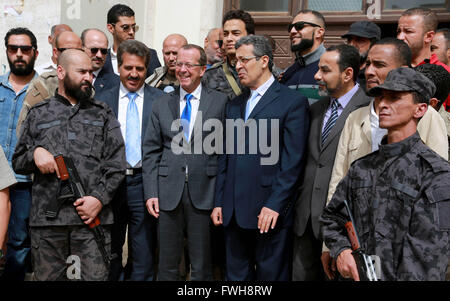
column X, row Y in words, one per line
column 164, row 168
column 319, row 163
column 244, row 184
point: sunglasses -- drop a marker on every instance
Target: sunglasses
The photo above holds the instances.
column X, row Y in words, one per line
column 299, row 25
column 127, row 28
column 25, row 49
column 95, row 50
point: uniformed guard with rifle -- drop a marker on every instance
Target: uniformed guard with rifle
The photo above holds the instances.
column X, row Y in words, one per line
column 64, row 222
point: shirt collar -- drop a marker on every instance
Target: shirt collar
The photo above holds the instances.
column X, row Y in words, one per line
column 197, row 92
column 113, row 54
column 345, row 99
column 124, row 91
column 399, row 148
column 264, row 87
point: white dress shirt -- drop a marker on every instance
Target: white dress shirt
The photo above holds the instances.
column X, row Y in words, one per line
column 114, row 62
column 377, row 132
column 123, row 106
column 195, row 103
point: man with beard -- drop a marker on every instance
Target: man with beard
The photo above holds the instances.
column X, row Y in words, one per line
column 307, row 32
column 362, row 35
column 45, row 85
column 164, row 77
column 76, row 126
column 21, row 51
column 95, row 44
column 131, row 102
column 338, row 70
column 417, row 27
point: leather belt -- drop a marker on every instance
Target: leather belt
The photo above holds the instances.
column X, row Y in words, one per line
column 133, row 171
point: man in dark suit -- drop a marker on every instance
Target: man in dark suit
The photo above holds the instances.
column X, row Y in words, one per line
column 122, row 25
column 338, row 70
column 132, row 102
column 95, row 44
column 255, row 186
column 179, row 170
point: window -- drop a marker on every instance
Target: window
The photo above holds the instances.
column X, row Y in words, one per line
column 264, row 5
column 405, row 4
column 341, row 5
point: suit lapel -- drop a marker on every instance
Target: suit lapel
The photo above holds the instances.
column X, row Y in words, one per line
column 205, row 103
column 147, row 110
column 354, row 103
column 270, row 95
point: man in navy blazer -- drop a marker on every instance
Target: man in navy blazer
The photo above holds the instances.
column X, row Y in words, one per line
column 132, row 101
column 256, row 185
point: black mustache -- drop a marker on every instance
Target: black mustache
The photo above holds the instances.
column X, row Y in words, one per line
column 133, row 78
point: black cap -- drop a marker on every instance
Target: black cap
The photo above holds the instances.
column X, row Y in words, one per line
column 364, row 29
column 406, row 80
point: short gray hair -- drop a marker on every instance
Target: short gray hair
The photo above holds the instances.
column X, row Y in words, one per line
column 261, row 47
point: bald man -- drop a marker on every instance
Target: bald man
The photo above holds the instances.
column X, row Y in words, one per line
column 74, row 125
column 95, row 44
column 55, row 31
column 45, row 85
column 212, row 48
column 164, row 77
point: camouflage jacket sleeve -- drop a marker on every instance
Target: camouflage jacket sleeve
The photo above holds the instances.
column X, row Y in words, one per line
column 333, row 220
column 114, row 162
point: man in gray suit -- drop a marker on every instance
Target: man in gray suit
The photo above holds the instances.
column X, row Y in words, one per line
column 179, row 173
column 338, row 70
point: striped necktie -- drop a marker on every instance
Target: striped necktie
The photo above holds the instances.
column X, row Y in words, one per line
column 331, row 121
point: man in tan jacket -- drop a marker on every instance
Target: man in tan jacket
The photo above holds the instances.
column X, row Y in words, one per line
column 361, row 134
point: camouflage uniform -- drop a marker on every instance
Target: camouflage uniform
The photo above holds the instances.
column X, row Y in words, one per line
column 215, row 79
column 400, row 200
column 89, row 134
column 162, row 80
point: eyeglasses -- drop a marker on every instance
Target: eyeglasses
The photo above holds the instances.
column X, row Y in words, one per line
column 220, row 43
column 299, row 25
column 25, row 49
column 127, row 28
column 64, row 49
column 96, row 50
column 187, row 65
column 245, row 60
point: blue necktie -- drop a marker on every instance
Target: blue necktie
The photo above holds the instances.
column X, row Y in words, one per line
column 133, row 134
column 186, row 116
column 331, row 121
column 250, row 104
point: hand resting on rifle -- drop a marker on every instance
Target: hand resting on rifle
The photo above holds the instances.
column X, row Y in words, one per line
column 88, row 208
column 346, row 265
column 45, row 161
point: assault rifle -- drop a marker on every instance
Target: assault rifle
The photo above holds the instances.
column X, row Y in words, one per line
column 72, row 188
column 365, row 263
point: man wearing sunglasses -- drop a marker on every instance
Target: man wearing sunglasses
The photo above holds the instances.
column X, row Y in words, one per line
column 95, row 44
column 21, row 51
column 122, row 26
column 45, row 85
column 307, row 32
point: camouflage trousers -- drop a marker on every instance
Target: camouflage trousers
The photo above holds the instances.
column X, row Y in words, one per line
column 68, row 253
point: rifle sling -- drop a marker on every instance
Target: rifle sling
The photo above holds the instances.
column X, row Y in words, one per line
column 234, row 85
